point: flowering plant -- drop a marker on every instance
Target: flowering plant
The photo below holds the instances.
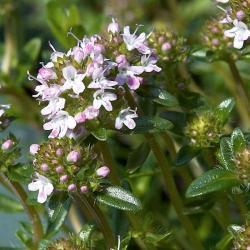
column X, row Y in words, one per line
column 132, row 137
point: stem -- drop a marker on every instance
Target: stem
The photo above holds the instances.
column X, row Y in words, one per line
column 108, row 159
column 241, row 89
column 169, row 181
column 30, row 210
column 95, row 212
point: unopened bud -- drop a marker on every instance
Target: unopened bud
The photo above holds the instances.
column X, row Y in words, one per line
column 7, row 144
column 72, row 187
column 84, row 189
column 103, row 171
column 63, row 178
column 34, row 148
column 59, row 169
column 73, row 156
column 44, row 167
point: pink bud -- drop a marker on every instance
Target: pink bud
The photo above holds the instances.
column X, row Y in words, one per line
column 166, row 46
column 80, row 117
column 46, row 74
column 73, row 156
column 7, row 144
column 59, row 152
column 84, row 189
column 240, row 15
column 44, row 167
column 91, row 113
column 103, row 171
column 72, row 187
column 34, row 148
column 113, row 27
column 63, row 178
column 215, row 42
column 78, row 54
column 59, row 169
column 215, row 30
column 121, row 60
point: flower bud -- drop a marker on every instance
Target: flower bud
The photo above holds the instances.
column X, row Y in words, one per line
column 59, row 152
column 215, row 42
column 46, row 74
column 34, row 148
column 240, row 15
column 103, row 171
column 63, row 178
column 59, row 169
column 166, row 46
column 113, row 27
column 7, row 144
column 84, row 189
column 72, row 187
column 78, row 54
column 80, row 117
column 91, row 113
column 44, row 167
column 73, row 156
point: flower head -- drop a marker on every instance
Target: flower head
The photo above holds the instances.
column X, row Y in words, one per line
column 239, row 32
column 43, row 186
column 126, row 117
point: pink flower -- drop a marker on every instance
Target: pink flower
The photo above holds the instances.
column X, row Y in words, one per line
column 91, row 113
column 34, row 148
column 103, row 171
column 80, row 117
column 113, row 27
column 7, row 144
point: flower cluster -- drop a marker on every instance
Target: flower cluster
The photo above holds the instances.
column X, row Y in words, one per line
column 204, row 130
column 170, row 47
column 236, row 20
column 242, row 239
column 61, row 165
column 242, row 162
column 86, row 85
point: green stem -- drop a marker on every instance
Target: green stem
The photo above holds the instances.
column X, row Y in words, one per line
column 108, row 159
column 30, row 210
column 88, row 205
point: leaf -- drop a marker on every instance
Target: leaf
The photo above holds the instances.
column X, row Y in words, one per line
column 224, row 109
column 238, row 141
column 11, row 248
column 212, row 181
column 21, row 173
column 9, row 205
column 31, row 50
column 43, row 244
column 159, row 96
column 146, row 124
column 177, row 118
column 226, row 153
column 138, row 157
column 100, row 134
column 186, row 154
column 59, row 208
column 119, row 198
column 224, row 243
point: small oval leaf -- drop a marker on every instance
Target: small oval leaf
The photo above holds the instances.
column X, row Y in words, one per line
column 119, row 198
column 212, row 181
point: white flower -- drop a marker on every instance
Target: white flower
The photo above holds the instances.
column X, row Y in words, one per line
column 133, row 41
column 104, row 99
column 3, row 108
column 113, row 27
column 99, row 81
column 126, row 117
column 240, row 32
column 149, row 63
column 222, row 1
column 60, row 124
column 43, row 186
column 54, row 106
column 73, row 80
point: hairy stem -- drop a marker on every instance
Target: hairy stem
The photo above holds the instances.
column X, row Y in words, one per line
column 18, row 190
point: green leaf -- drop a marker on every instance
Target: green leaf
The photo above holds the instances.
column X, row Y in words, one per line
column 224, row 243
column 31, row 50
column 159, row 96
column 43, row 244
column 9, row 205
column 119, row 198
column 100, row 134
column 212, row 181
column 138, row 157
column 238, row 141
column 186, row 154
column 146, row 124
column 21, row 173
column 11, row 248
column 224, row 109
column 226, row 153
column 58, row 211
